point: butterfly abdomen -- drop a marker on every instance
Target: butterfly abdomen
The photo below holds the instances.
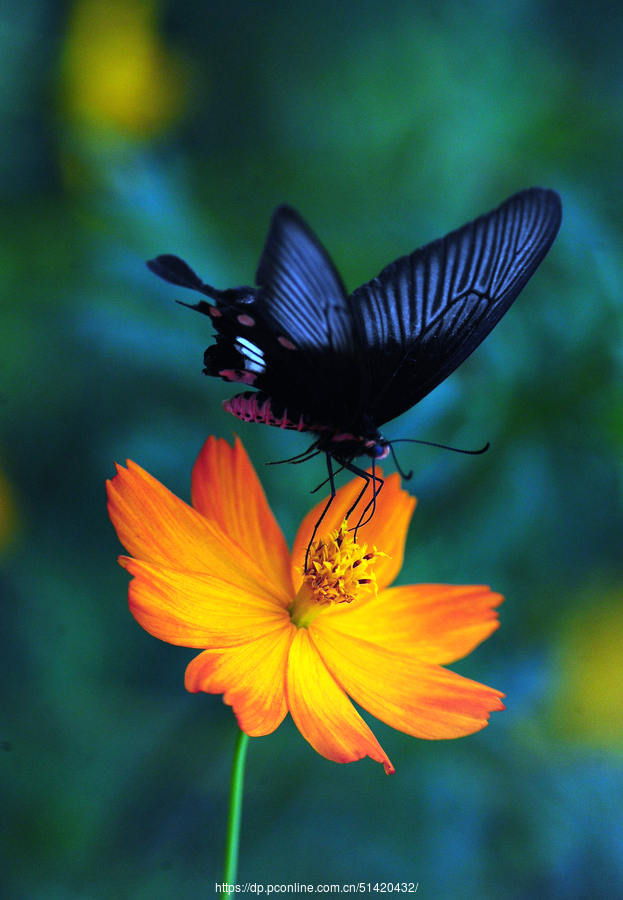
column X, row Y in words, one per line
column 258, row 406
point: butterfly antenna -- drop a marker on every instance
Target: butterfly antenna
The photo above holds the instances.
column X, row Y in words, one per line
column 407, row 476
column 441, row 446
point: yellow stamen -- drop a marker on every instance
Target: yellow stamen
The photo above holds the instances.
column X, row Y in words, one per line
column 339, row 570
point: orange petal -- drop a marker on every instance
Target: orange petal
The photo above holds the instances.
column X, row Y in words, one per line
column 227, row 491
column 156, row 526
column 436, row 623
column 412, row 696
column 251, row 678
column 321, row 710
column 387, row 530
column 196, row 610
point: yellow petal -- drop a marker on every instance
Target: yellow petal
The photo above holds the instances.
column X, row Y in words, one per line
column 227, row 491
column 196, row 610
column 321, row 710
column 387, row 530
column 251, row 678
column 156, row 526
column 436, row 623
column 412, row 696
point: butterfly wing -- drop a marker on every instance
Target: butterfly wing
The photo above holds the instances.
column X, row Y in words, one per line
column 292, row 337
column 426, row 312
column 302, row 305
column 174, row 270
column 301, row 293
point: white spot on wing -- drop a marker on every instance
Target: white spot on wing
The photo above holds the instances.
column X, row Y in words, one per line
column 253, row 356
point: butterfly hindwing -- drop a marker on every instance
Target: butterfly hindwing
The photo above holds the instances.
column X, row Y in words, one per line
column 426, row 312
column 292, row 336
column 174, row 270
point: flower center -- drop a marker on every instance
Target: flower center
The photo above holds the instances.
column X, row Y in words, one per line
column 339, row 570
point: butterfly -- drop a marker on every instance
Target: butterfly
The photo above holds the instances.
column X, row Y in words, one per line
column 341, row 366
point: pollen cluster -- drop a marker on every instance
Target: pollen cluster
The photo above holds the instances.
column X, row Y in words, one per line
column 339, row 569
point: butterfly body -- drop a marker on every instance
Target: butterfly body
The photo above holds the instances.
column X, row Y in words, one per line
column 258, row 406
column 341, row 366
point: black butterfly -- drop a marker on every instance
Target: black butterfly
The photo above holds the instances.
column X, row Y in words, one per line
column 341, row 366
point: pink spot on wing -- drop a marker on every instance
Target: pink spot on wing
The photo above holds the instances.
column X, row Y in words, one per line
column 286, row 343
column 237, row 376
column 214, row 312
column 248, row 321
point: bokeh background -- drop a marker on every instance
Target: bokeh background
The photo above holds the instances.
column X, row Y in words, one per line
column 136, row 127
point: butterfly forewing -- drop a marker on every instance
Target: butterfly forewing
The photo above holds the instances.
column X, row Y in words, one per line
column 426, row 312
column 301, row 291
column 302, row 300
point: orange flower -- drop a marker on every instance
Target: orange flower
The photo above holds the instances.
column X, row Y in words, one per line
column 218, row 576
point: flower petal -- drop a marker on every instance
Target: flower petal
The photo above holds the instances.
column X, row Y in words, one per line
column 251, row 678
column 435, row 623
column 416, row 697
column 156, row 526
column 227, row 491
column 387, row 529
column 196, row 610
column 321, row 710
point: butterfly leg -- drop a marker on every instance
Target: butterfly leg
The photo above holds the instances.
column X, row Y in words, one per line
column 331, row 480
column 299, row 458
column 326, row 481
column 374, row 479
column 377, row 484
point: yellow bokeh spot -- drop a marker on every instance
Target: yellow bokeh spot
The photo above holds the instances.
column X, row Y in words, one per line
column 8, row 513
column 117, row 73
column 590, row 704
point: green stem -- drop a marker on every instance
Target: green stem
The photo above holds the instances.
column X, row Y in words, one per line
column 235, row 810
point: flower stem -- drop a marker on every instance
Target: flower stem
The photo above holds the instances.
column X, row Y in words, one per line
column 235, row 810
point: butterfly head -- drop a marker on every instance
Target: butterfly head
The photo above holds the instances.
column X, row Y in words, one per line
column 345, row 445
column 377, row 449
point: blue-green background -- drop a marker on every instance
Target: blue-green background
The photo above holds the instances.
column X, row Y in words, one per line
column 386, row 125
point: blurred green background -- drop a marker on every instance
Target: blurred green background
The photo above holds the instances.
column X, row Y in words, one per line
column 131, row 128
